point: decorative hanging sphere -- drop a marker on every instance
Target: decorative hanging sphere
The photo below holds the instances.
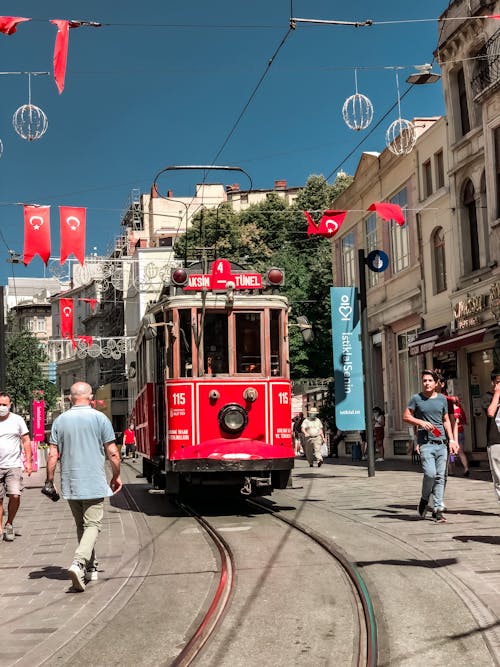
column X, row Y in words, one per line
column 1, row 148
column 357, row 112
column 400, row 137
column 30, row 122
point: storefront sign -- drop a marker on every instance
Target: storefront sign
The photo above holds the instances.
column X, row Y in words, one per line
column 347, row 359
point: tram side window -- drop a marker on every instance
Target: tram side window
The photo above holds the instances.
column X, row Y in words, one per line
column 186, row 362
column 248, row 352
column 215, row 344
column 275, row 342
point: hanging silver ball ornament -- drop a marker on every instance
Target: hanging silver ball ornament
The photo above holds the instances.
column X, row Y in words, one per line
column 357, row 112
column 30, row 122
column 400, row 137
column 1, row 148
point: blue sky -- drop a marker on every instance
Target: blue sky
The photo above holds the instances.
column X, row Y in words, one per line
column 164, row 84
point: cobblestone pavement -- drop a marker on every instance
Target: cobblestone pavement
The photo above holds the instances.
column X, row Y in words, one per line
column 42, row 615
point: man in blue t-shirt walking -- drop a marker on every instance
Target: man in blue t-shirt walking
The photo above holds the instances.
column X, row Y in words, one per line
column 427, row 411
column 82, row 438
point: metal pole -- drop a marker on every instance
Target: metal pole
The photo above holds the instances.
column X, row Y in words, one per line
column 367, row 366
column 3, row 371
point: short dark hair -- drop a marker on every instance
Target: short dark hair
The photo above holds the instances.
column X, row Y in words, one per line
column 4, row 393
column 435, row 376
column 495, row 374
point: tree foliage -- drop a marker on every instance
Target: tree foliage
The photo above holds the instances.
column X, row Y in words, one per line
column 273, row 233
column 24, row 372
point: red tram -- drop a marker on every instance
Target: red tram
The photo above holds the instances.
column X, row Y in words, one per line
column 214, row 394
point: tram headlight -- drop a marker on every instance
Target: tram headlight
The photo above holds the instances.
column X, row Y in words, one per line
column 233, row 418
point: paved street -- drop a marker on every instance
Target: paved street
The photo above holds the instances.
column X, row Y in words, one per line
column 373, row 520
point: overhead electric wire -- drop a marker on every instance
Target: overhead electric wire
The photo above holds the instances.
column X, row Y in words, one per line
column 252, row 94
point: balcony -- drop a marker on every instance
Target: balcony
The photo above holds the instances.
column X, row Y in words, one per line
column 488, row 66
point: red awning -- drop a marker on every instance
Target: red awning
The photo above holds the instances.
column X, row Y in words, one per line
column 461, row 340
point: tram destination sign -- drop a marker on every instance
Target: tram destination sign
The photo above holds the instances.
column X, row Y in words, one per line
column 197, row 281
column 221, row 278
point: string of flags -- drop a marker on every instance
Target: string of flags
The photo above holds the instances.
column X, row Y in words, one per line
column 331, row 221
column 37, row 232
column 8, row 26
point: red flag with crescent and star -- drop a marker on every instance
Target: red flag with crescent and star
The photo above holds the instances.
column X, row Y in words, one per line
column 73, row 222
column 36, row 233
column 329, row 224
column 66, row 308
column 8, row 24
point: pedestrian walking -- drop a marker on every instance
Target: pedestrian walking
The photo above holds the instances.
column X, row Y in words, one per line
column 129, row 442
column 312, row 428
column 379, row 432
column 428, row 412
column 82, row 438
column 459, row 433
column 494, row 433
column 298, row 436
column 14, row 439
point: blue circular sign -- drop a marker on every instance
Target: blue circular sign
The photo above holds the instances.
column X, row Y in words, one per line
column 377, row 260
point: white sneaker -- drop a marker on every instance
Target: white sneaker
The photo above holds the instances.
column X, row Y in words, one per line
column 76, row 572
column 379, row 460
column 91, row 573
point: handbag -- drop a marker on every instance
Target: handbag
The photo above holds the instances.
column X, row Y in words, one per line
column 324, row 449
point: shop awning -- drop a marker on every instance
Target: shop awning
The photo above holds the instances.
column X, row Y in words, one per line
column 460, row 340
column 425, row 341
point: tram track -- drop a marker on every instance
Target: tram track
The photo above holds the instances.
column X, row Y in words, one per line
column 220, row 600
column 367, row 627
column 366, row 648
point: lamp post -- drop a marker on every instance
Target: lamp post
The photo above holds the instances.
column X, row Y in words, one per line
column 367, row 365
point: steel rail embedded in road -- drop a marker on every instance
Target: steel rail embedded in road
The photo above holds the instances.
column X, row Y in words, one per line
column 366, row 617
column 220, row 599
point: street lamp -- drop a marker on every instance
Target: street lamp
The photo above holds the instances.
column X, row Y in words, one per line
column 423, row 75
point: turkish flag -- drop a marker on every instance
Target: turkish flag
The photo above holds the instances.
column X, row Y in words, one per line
column 73, row 221
column 36, row 233
column 8, row 24
column 88, row 340
column 329, row 224
column 66, row 308
column 388, row 212
column 61, row 52
column 92, row 302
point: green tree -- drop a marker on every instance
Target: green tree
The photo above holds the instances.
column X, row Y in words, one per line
column 273, row 233
column 24, row 373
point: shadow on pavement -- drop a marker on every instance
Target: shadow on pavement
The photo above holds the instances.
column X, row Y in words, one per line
column 49, row 572
column 487, row 539
column 410, row 562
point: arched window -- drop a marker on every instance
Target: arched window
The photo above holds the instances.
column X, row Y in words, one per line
column 439, row 260
column 471, row 236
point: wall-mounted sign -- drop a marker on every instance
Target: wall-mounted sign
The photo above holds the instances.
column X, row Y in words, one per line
column 377, row 260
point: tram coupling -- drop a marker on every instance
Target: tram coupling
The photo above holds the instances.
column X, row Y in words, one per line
column 256, row 486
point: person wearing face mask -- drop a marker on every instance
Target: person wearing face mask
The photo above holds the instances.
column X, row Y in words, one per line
column 14, row 438
column 312, row 428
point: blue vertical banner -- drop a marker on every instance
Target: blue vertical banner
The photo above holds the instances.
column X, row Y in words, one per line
column 347, row 359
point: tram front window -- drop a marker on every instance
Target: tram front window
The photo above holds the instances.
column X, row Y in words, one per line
column 248, row 354
column 215, row 346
